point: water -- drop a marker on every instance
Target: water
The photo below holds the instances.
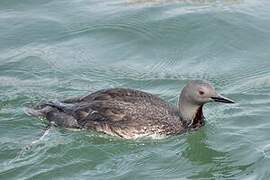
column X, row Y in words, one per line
column 55, row 49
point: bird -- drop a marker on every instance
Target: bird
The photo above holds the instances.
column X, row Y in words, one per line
column 129, row 113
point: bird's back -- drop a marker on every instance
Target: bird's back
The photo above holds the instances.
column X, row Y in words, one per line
column 123, row 112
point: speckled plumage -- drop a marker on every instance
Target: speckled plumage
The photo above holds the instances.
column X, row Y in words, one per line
column 126, row 113
column 122, row 112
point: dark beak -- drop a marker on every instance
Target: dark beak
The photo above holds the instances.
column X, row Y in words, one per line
column 220, row 98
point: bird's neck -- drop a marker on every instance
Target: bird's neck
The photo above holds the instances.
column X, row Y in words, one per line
column 192, row 115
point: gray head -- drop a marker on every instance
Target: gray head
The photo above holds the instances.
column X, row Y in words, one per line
column 200, row 92
column 195, row 94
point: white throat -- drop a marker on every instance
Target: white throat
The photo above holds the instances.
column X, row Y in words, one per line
column 188, row 111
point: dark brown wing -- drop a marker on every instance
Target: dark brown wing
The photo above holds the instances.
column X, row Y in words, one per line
column 119, row 94
column 122, row 94
column 122, row 105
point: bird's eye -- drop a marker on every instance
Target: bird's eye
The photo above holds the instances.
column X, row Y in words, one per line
column 201, row 92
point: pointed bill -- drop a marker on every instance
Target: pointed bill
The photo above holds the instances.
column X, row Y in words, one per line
column 220, row 98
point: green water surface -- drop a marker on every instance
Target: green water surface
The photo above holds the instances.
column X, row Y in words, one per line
column 53, row 49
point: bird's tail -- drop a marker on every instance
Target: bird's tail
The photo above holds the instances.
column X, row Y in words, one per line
column 57, row 113
column 38, row 111
column 43, row 109
column 33, row 112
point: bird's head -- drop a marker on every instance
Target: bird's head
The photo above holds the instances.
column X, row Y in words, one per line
column 199, row 92
column 193, row 96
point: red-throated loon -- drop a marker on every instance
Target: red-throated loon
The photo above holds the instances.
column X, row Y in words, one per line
column 129, row 113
